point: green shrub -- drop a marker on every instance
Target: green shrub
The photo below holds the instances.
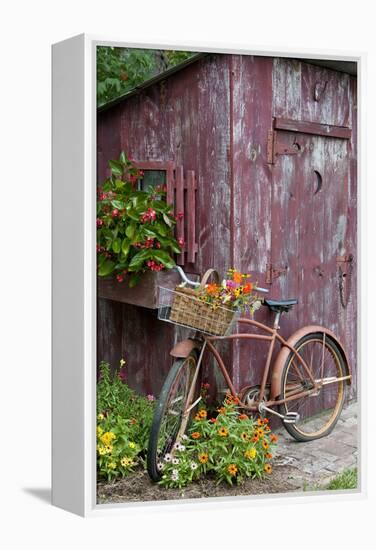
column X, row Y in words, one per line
column 123, row 424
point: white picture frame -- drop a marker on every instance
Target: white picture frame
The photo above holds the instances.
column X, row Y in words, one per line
column 74, row 272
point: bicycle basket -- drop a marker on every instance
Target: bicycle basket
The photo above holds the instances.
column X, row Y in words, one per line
column 183, row 307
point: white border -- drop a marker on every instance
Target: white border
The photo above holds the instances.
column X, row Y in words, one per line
column 77, row 493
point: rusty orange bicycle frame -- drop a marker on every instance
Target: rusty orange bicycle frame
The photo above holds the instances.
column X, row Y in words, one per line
column 271, row 337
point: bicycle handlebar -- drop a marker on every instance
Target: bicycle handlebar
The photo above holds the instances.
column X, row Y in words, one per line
column 197, row 283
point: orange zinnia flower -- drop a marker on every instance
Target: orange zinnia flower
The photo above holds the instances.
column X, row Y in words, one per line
column 268, row 469
column 268, row 455
column 247, row 288
column 213, row 420
column 255, row 438
column 244, row 436
column 274, row 438
column 232, row 469
column 212, row 289
column 221, row 410
column 202, row 413
column 260, row 421
column 260, row 432
column 196, row 435
column 223, row 432
column 243, row 416
column 203, row 458
column 237, row 277
column 265, row 444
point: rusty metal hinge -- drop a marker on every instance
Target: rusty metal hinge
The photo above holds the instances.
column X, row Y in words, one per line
column 277, row 148
column 345, row 264
column 274, row 272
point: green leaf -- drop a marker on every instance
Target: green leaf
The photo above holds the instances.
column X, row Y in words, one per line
column 116, row 245
column 130, row 230
column 118, row 204
column 106, row 268
column 122, row 158
column 162, row 230
column 137, row 260
column 167, row 220
column 164, row 258
column 116, row 167
column 119, row 184
column 125, row 246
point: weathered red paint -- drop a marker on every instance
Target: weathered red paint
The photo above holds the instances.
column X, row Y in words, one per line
column 294, row 217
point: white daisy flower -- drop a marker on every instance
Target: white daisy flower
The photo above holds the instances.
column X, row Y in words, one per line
column 184, row 437
column 194, row 466
column 167, row 457
column 181, row 447
column 175, row 461
column 160, row 466
column 175, row 472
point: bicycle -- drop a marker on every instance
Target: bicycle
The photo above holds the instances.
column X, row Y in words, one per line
column 306, row 383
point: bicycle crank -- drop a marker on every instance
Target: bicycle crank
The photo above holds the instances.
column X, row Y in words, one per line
column 288, row 418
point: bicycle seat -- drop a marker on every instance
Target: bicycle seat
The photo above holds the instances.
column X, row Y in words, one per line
column 280, row 305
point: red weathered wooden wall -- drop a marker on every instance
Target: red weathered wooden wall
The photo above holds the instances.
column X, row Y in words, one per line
column 213, row 117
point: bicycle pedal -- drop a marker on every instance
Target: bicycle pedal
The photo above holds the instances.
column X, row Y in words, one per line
column 291, row 417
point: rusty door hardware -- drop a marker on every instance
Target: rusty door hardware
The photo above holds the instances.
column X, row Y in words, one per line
column 276, row 148
column 274, row 272
column 344, row 264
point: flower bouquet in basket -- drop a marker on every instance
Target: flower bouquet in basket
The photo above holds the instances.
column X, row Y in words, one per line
column 213, row 307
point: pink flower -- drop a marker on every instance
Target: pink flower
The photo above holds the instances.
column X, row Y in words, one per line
column 150, row 397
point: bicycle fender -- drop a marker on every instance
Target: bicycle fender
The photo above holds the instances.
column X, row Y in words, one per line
column 276, row 377
column 184, row 348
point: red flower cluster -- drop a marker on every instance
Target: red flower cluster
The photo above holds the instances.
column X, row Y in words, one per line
column 148, row 216
column 153, row 266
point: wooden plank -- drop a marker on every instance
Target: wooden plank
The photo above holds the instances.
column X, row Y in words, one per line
column 191, row 216
column 179, row 207
column 315, row 128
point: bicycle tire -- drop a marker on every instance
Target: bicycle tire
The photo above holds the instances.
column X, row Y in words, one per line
column 169, row 390
column 312, row 408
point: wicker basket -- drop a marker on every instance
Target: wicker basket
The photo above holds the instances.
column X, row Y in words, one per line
column 183, row 307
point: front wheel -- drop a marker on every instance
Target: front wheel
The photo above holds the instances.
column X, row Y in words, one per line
column 319, row 411
column 169, row 421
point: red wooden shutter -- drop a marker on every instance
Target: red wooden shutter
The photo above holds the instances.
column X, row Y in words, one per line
column 185, row 202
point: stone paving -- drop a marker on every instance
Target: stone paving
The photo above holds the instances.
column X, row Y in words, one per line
column 316, row 462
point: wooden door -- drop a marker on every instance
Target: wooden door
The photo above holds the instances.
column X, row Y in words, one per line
column 310, row 229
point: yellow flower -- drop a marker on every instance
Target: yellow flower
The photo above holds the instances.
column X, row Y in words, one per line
column 108, row 437
column 111, row 465
column 268, row 469
column 122, row 362
column 232, row 469
column 260, row 432
column 223, row 432
column 100, row 417
column 250, row 453
column 203, row 458
column 99, row 431
column 126, row 462
column 132, row 445
column 202, row 413
column 101, row 450
column 108, row 449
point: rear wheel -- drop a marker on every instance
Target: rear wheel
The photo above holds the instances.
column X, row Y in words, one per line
column 319, row 411
column 168, row 422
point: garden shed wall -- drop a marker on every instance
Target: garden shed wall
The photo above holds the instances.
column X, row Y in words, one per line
column 288, row 219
